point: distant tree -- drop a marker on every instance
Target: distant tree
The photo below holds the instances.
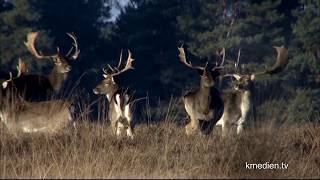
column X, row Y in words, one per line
column 307, row 27
column 16, row 22
column 254, row 26
column 148, row 28
column 84, row 18
column 304, row 66
column 54, row 18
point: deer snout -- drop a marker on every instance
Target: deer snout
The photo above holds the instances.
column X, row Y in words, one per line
column 95, row 91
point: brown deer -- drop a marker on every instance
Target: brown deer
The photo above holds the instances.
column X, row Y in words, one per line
column 120, row 99
column 203, row 105
column 20, row 115
column 238, row 102
column 34, row 87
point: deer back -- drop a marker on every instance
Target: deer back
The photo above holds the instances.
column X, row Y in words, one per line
column 45, row 116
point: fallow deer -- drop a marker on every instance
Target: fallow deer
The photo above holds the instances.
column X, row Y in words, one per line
column 34, row 87
column 203, row 105
column 238, row 102
column 20, row 115
column 120, row 99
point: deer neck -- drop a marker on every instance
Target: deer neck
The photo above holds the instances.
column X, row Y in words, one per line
column 247, row 95
column 57, row 79
column 204, row 93
column 112, row 92
column 205, row 90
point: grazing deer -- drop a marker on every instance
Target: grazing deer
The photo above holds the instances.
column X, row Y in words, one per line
column 45, row 116
column 34, row 87
column 203, row 105
column 238, row 102
column 120, row 99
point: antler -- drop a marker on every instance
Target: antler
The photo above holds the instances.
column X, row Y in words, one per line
column 75, row 45
column 236, row 65
column 281, row 62
column 220, row 66
column 238, row 59
column 183, row 59
column 31, row 38
column 22, row 67
column 116, row 71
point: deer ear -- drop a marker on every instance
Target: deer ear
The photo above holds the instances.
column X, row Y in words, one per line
column 252, row 77
column 105, row 76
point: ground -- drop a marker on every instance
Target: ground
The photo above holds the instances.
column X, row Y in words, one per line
column 161, row 150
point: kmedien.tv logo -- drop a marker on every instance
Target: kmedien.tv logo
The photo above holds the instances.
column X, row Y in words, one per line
column 267, row 165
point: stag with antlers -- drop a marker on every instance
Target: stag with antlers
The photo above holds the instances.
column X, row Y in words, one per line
column 34, row 87
column 120, row 99
column 203, row 105
column 238, row 102
column 19, row 115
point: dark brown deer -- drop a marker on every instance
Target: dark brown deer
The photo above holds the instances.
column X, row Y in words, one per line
column 120, row 99
column 238, row 102
column 34, row 87
column 203, row 105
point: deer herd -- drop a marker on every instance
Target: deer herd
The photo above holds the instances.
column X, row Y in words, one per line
column 28, row 101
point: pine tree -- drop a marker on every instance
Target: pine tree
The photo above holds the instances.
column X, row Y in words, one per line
column 16, row 22
column 254, row 26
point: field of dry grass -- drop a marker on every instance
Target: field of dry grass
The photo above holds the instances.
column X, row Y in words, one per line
column 161, row 150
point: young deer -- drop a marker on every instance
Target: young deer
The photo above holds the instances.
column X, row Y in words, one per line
column 120, row 99
column 20, row 115
column 34, row 87
column 203, row 105
column 238, row 102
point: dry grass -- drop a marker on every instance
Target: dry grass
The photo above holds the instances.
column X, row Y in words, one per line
column 160, row 151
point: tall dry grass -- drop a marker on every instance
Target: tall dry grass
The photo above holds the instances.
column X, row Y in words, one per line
column 161, row 150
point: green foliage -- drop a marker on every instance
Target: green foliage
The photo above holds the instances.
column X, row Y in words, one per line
column 249, row 25
column 15, row 24
column 305, row 106
column 307, row 27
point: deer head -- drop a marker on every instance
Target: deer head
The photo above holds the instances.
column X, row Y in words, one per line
column 108, row 85
column 61, row 61
column 245, row 82
column 207, row 76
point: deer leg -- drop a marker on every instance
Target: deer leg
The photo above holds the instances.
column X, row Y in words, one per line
column 129, row 132
column 240, row 123
column 120, row 127
column 226, row 127
column 114, row 126
column 192, row 126
column 240, row 129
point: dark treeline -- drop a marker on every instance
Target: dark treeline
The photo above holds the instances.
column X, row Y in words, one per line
column 153, row 29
